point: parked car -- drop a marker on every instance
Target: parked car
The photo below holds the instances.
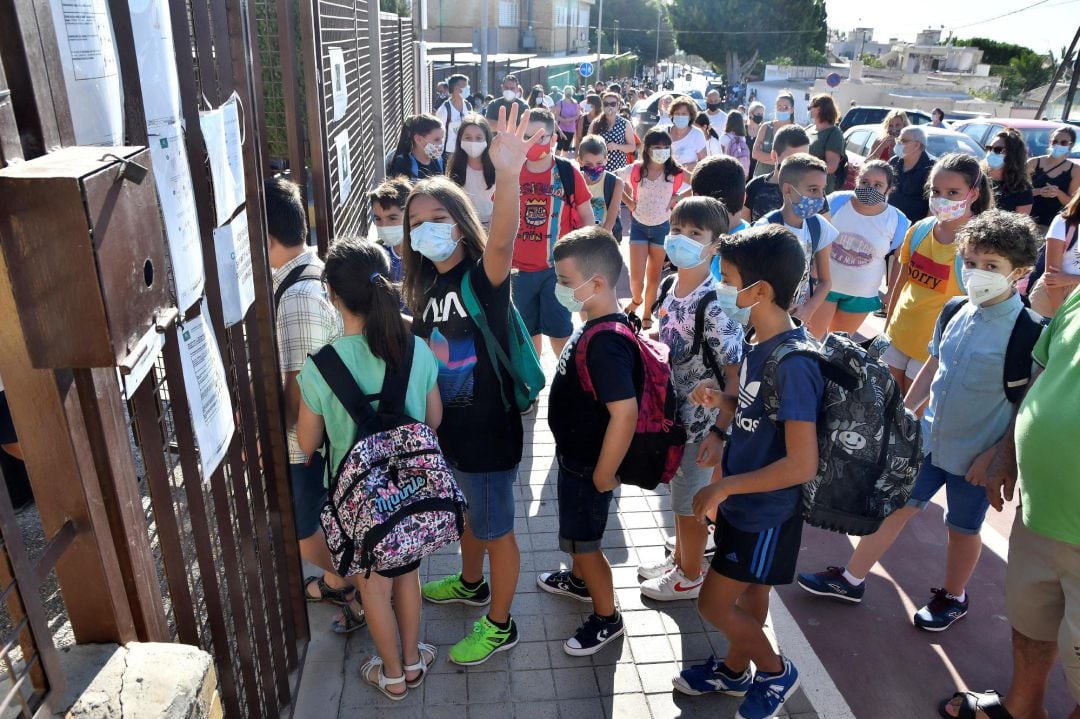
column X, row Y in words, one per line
column 645, row 115
column 859, row 140
column 871, row 115
column 1036, row 132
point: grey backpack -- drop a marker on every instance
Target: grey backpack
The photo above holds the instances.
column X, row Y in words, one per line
column 869, row 444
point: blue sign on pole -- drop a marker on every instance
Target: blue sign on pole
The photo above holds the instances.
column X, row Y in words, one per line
column 833, row 80
column 586, row 69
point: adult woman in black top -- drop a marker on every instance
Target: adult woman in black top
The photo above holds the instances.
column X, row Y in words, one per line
column 1005, row 163
column 1054, row 177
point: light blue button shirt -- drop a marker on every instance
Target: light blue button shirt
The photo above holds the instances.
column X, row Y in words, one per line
column 968, row 411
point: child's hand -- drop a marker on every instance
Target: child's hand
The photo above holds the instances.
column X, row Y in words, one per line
column 710, row 451
column 707, row 394
column 799, row 313
column 604, row 484
column 509, row 145
column 708, row 499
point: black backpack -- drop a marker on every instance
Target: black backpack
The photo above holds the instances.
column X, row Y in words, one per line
column 1025, row 333
column 297, row 274
column 698, row 345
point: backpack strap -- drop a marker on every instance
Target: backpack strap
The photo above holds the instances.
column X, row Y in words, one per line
column 635, row 179
column 496, row 354
column 948, row 312
column 663, row 291
column 788, row 348
column 1025, row 333
column 700, row 343
column 776, row 217
column 344, row 386
column 566, row 178
column 297, row 274
column 395, row 386
column 839, row 199
column 581, row 349
column 677, row 183
column 920, row 232
column 814, row 223
column 609, row 188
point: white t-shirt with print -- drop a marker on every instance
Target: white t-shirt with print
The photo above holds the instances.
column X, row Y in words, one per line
column 724, row 336
column 685, row 151
column 1070, row 261
column 653, row 197
column 828, row 236
column 857, row 257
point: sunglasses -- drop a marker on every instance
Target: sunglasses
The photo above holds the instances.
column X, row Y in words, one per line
column 997, row 150
column 611, row 104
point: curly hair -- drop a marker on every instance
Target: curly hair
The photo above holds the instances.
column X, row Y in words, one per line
column 1004, row 233
column 686, row 103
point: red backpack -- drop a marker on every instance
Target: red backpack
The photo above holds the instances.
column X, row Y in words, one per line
column 659, row 437
column 635, row 180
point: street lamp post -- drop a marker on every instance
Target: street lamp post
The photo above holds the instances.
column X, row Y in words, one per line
column 599, row 37
column 484, row 47
column 659, row 17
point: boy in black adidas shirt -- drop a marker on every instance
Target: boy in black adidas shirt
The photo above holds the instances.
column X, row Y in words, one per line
column 592, row 430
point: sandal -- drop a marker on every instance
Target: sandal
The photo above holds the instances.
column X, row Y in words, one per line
column 350, row 622
column 422, row 665
column 372, row 672
column 988, row 702
column 632, row 306
column 341, row 596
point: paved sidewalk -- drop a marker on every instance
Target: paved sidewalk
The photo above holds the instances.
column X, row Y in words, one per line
column 537, row 679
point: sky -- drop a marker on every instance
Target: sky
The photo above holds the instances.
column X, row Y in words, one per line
column 1043, row 25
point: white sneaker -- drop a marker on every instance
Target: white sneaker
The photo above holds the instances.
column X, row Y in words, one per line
column 672, row 586
column 710, row 542
column 652, row 570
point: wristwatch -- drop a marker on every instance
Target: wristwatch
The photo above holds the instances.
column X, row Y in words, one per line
column 720, row 433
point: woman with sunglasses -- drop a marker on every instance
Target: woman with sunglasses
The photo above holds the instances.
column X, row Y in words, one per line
column 615, row 130
column 1054, row 177
column 1005, row 163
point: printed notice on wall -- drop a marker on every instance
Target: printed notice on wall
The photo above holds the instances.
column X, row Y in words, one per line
column 207, row 393
column 344, row 165
column 221, row 135
column 341, row 88
column 233, row 249
column 234, row 147
column 84, row 37
column 151, row 27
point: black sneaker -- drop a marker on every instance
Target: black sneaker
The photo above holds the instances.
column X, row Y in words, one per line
column 942, row 611
column 881, row 314
column 564, row 583
column 593, row 635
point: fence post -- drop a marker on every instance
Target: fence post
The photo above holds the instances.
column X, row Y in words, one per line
column 375, row 51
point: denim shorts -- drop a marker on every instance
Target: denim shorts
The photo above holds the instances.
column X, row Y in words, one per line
column 644, row 234
column 308, row 495
column 967, row 504
column 583, row 512
column 491, row 501
column 689, row 479
column 534, row 297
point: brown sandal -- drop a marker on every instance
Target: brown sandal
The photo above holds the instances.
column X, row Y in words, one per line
column 340, row 596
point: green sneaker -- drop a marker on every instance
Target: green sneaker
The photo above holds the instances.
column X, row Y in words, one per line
column 486, row 639
column 450, row 590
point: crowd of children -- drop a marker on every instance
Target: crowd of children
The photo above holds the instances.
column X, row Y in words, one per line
column 513, row 229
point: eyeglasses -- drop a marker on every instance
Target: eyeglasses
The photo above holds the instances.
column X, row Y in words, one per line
column 996, row 149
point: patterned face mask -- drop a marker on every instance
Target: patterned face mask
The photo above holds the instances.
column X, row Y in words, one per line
column 869, row 195
column 807, row 206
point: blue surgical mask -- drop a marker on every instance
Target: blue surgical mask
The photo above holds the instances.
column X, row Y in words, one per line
column 783, row 116
column 728, row 299
column 681, row 121
column 434, row 240
column 684, row 252
column 466, row 91
column 995, row 160
column 567, row 296
column 390, row 235
column 807, row 206
column 1059, row 151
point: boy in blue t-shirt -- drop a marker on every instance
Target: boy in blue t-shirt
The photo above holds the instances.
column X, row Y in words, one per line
column 756, row 498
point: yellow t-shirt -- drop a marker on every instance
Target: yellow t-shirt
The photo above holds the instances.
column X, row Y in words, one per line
column 931, row 282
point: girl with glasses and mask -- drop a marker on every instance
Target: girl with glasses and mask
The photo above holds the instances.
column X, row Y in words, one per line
column 471, row 167
column 615, row 130
column 1054, row 177
column 444, row 245
column 870, row 229
column 1005, row 164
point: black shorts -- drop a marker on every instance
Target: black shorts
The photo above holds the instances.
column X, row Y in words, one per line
column 399, row 571
column 766, row 557
column 583, row 512
column 565, row 142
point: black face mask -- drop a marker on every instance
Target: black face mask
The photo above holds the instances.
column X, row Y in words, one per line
column 713, row 105
column 757, row 118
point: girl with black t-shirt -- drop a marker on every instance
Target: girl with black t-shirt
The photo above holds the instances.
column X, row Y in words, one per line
column 420, row 148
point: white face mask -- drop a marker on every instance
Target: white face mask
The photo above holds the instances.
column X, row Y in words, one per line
column 390, row 235
column 474, row 148
column 660, row 155
column 984, row 285
column 509, row 95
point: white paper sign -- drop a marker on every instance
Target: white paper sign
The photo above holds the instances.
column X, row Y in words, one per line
column 207, row 393
column 152, row 30
column 234, row 148
column 341, row 89
column 84, row 37
column 233, row 248
column 221, row 135
column 344, row 163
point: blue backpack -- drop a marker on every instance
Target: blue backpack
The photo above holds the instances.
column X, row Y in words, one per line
column 919, row 233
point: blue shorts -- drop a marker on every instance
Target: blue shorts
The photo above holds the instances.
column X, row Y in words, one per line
column 491, row 501
column 308, row 495
column 644, row 234
column 583, row 511
column 534, row 297
column 967, row 504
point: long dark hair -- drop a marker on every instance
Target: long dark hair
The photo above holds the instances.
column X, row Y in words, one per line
column 459, row 161
column 735, row 123
column 1014, row 173
column 705, row 125
column 657, row 136
column 600, row 124
column 414, row 125
column 536, row 97
column 358, row 273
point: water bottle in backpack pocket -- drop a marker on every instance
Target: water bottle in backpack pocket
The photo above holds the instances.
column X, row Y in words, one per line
column 393, row 499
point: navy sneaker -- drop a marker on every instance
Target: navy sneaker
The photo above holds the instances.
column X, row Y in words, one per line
column 593, row 635
column 831, row 583
column 564, row 583
column 941, row 612
column 768, row 693
column 708, row 678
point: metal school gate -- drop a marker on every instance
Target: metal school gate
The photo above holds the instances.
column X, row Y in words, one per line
column 145, row 541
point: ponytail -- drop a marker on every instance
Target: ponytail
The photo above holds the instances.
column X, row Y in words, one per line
column 413, row 125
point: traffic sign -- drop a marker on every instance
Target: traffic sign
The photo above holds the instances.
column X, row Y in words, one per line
column 586, row 69
column 833, row 80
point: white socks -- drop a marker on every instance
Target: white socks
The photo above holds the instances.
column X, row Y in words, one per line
column 852, row 579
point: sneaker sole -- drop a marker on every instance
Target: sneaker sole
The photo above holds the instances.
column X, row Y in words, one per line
column 593, row 650
column 680, row 685
column 791, row 690
column 496, row 650
column 560, row 593
column 456, row 600
column 658, row 597
column 939, row 629
column 831, row 595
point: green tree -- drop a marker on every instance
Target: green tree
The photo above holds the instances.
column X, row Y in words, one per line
column 734, row 34
column 1020, row 68
column 637, row 28
column 398, row 7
